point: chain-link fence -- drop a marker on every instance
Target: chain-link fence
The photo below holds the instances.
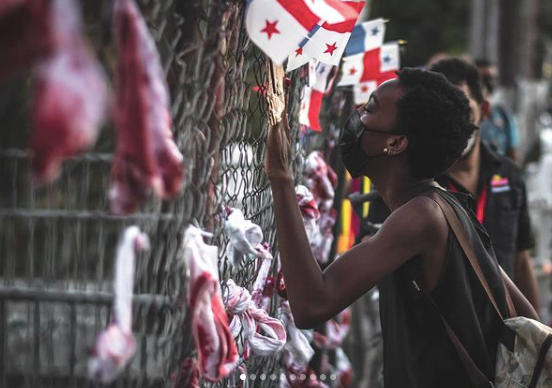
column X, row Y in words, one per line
column 57, row 242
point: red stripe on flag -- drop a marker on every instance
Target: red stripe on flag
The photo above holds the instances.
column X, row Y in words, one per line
column 346, row 26
column 372, row 65
column 302, row 13
column 386, row 76
column 314, row 109
column 344, row 8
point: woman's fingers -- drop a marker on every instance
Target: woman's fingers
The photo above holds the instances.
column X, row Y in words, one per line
column 276, row 92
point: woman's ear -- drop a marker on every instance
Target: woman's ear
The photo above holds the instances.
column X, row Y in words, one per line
column 397, row 144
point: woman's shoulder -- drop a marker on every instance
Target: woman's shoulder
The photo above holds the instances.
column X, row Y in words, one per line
column 421, row 217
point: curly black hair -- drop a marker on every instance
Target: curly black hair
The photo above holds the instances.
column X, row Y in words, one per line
column 435, row 117
column 458, row 72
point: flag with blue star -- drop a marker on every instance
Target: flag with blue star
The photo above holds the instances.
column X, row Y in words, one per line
column 366, row 37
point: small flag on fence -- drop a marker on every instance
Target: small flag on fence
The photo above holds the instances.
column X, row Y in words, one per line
column 363, row 90
column 362, row 60
column 326, row 42
column 311, row 103
column 278, row 26
column 366, row 37
column 390, row 63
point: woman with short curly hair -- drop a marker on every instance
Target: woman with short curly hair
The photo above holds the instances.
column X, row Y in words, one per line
column 411, row 130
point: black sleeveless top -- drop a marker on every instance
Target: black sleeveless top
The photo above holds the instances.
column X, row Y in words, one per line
column 417, row 352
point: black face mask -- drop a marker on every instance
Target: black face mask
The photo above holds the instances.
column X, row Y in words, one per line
column 352, row 155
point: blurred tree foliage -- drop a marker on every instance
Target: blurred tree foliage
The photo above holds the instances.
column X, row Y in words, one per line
column 428, row 26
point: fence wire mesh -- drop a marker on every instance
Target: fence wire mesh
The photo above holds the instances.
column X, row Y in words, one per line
column 57, row 242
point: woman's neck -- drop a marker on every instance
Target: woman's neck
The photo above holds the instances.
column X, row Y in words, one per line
column 398, row 188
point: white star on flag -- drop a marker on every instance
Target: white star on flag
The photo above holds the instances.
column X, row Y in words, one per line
column 278, row 26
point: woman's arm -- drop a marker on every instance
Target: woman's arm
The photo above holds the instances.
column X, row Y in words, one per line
column 317, row 296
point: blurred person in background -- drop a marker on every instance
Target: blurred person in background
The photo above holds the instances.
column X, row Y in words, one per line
column 494, row 182
column 500, row 127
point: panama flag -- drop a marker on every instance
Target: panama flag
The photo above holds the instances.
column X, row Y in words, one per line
column 326, row 42
column 363, row 90
column 313, row 93
column 366, row 37
column 278, row 26
column 390, row 63
column 379, row 65
column 362, row 54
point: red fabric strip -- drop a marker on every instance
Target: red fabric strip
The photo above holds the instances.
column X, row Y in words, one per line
column 302, row 13
column 348, row 25
column 314, row 110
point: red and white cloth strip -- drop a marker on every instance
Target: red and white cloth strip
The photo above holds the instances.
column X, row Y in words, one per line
column 321, row 180
column 115, row 345
column 335, row 331
column 292, row 378
column 309, row 211
column 244, row 236
column 322, row 241
column 297, row 351
column 216, row 347
column 307, row 204
column 344, row 369
column 271, row 337
column 70, row 95
column 263, row 287
column 147, row 158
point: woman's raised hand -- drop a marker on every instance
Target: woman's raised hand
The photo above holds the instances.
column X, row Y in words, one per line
column 278, row 147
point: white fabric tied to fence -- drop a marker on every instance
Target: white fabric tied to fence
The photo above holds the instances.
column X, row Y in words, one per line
column 115, row 345
column 309, row 211
column 336, row 331
column 243, row 237
column 246, row 315
column 262, row 290
column 321, row 180
column 298, row 350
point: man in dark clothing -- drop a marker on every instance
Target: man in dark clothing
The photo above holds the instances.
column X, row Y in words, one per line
column 495, row 183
